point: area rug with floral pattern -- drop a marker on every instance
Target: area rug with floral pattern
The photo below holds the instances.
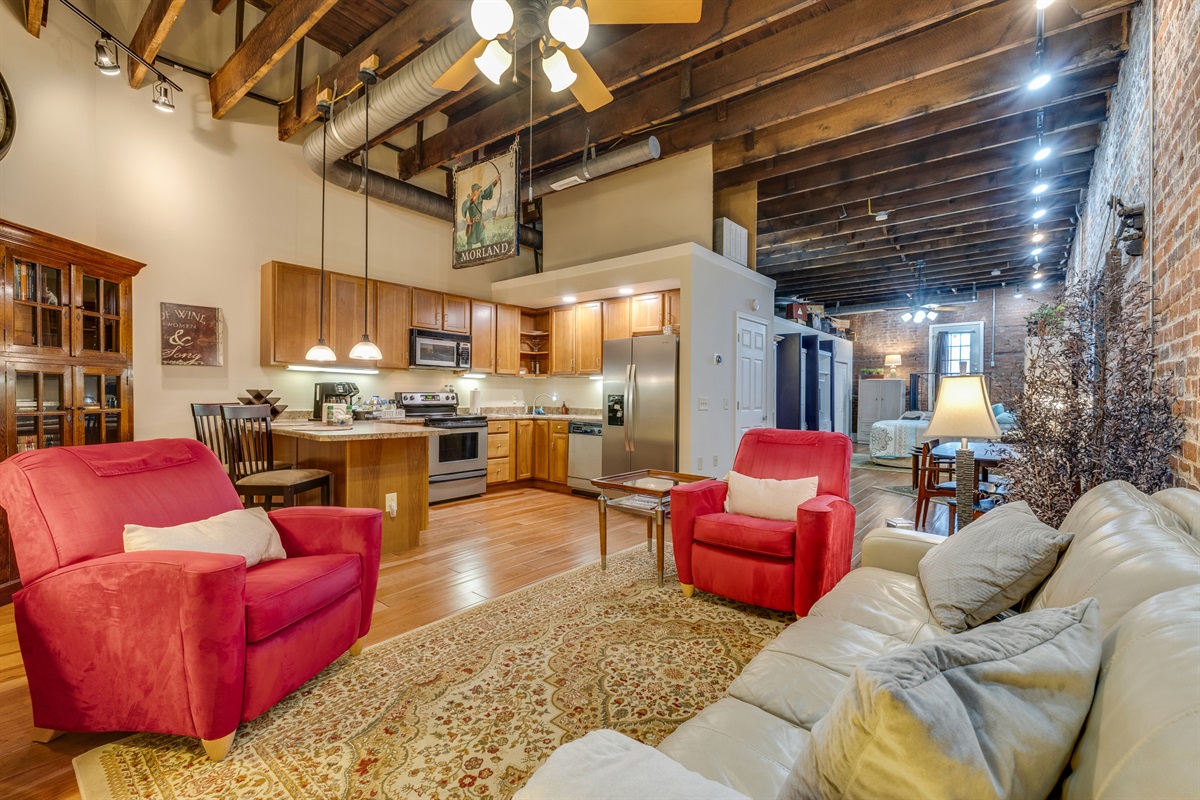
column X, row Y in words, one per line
column 468, row 706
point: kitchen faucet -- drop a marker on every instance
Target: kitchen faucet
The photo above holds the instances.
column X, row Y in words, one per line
column 537, row 409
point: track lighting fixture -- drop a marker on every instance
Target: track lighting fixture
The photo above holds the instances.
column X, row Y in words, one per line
column 1040, row 188
column 1042, row 152
column 162, row 97
column 1041, row 74
column 1037, row 285
column 1038, row 235
column 1038, row 213
column 106, row 57
column 1037, row 251
column 1037, row 276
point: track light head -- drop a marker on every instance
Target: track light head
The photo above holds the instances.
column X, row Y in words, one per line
column 106, row 57
column 1042, row 153
column 1040, row 78
column 162, row 97
column 1038, row 236
column 1039, row 213
column 1040, row 188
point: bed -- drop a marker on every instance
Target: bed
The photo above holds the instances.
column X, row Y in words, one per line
column 893, row 440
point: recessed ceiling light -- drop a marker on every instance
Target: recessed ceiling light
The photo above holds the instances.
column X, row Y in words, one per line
column 568, row 298
column 1043, row 4
column 625, row 290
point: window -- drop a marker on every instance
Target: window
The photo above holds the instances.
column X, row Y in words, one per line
column 958, row 354
column 955, row 349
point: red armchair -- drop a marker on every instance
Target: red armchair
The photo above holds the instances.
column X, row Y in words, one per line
column 170, row 641
column 785, row 565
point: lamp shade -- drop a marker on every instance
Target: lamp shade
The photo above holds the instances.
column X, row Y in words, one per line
column 963, row 410
column 891, row 361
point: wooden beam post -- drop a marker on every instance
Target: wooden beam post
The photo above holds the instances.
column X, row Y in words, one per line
column 35, row 11
column 156, row 23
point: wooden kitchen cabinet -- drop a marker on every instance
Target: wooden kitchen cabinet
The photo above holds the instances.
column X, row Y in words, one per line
column 390, row 309
column 541, row 449
column 673, row 308
column 559, row 441
column 483, row 336
column 426, row 309
column 562, row 341
column 508, row 340
column 524, row 456
column 646, row 314
column 344, row 298
column 456, row 314
column 589, row 338
column 616, row 319
column 291, row 301
column 499, row 453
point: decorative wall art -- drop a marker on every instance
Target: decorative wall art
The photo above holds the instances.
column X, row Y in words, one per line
column 486, row 211
column 191, row 335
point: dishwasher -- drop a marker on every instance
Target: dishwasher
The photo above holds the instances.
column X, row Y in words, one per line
column 583, row 455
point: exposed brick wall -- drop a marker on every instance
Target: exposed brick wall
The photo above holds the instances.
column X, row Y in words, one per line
column 884, row 333
column 1128, row 159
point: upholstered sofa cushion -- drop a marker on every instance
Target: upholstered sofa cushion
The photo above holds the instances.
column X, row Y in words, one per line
column 989, row 566
column 768, row 537
column 990, row 713
column 279, row 593
column 768, row 498
column 245, row 532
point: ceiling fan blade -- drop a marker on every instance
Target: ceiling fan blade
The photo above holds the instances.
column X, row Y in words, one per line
column 949, row 308
column 588, row 89
column 462, row 70
column 643, row 12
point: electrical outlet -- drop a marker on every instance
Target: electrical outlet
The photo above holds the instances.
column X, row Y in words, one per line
column 699, row 462
column 714, row 459
column 726, row 401
column 702, row 403
column 389, row 504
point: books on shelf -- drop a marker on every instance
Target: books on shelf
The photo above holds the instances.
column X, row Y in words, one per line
column 26, row 443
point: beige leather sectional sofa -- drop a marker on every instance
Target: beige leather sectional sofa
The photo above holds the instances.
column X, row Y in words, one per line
column 1139, row 556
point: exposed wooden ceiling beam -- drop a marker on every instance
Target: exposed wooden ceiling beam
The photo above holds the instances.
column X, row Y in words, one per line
column 1091, row 8
column 1012, row 134
column 904, row 288
column 406, row 33
column 636, row 56
column 34, row 11
column 220, row 5
column 900, row 206
column 1066, row 90
column 877, row 189
column 151, row 31
column 271, row 39
column 945, row 47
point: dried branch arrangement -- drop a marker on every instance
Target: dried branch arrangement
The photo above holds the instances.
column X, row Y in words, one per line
column 1091, row 409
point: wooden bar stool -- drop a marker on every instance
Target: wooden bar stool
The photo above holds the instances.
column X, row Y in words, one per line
column 252, row 455
column 210, row 431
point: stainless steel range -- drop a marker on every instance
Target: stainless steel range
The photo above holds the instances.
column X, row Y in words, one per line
column 457, row 458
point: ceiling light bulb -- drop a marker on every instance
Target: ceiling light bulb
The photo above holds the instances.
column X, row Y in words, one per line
column 881, row 216
column 1043, row 4
column 1017, row 294
column 1042, row 153
column 366, row 350
column 569, row 26
column 162, row 97
column 1037, row 285
column 558, row 71
column 919, row 316
column 931, row 316
column 106, row 57
column 491, row 17
column 320, row 352
column 494, row 61
column 1039, row 79
column 568, row 298
column 1037, row 237
column 1040, row 188
column 995, row 272
column 625, row 290
column 1039, row 213
column 906, row 316
column 1037, row 275
column 1037, row 251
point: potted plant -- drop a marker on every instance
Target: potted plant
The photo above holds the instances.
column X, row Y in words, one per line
column 871, row 372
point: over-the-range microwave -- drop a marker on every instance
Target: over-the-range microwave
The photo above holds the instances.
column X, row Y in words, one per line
column 437, row 350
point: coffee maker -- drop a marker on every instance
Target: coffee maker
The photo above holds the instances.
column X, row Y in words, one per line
column 332, row 392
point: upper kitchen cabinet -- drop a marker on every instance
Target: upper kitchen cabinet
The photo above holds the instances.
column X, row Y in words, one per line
column 508, row 340
column 291, row 301
column 646, row 314
column 673, row 303
column 346, row 304
column 456, row 314
column 616, row 319
column 390, row 304
column 483, row 336
column 435, row 311
column 589, row 338
column 562, row 340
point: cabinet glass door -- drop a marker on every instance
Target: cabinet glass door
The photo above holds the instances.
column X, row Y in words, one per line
column 103, row 405
column 40, row 416
column 40, row 305
column 99, row 316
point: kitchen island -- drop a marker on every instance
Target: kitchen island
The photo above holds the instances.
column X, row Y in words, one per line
column 369, row 461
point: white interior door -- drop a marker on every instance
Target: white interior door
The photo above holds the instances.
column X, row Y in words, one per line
column 751, row 374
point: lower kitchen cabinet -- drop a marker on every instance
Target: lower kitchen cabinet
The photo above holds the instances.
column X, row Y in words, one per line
column 541, row 449
column 524, row 455
column 499, row 461
column 558, row 451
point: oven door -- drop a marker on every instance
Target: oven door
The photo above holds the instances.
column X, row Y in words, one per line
column 430, row 352
column 458, row 450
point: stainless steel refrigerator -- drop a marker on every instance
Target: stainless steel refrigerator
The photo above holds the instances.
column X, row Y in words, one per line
column 640, row 404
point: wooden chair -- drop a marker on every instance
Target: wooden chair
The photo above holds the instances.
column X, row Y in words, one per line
column 931, row 481
column 210, row 431
column 252, row 456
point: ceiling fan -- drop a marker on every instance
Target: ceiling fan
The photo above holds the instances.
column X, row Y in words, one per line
column 560, row 27
column 918, row 311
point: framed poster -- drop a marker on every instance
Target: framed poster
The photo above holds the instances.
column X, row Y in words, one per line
column 191, row 335
column 486, row 210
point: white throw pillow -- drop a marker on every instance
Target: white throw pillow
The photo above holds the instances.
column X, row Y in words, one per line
column 990, row 713
column 245, row 532
column 767, row 498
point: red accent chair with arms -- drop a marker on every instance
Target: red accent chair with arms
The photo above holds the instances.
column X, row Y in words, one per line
column 777, row 564
column 171, row 641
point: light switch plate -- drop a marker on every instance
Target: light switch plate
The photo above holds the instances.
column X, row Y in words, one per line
column 702, row 403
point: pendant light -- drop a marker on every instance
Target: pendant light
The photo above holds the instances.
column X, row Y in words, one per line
column 321, row 351
column 366, row 350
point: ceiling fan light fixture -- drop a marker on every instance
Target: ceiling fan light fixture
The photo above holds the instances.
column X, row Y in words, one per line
column 491, row 17
column 494, row 61
column 106, row 57
column 569, row 25
column 558, row 71
column 906, row 316
column 931, row 315
column 919, row 317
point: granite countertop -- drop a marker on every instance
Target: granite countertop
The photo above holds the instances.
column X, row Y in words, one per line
column 361, row 430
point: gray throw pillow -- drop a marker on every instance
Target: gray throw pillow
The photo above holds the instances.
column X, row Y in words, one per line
column 990, row 713
column 989, row 566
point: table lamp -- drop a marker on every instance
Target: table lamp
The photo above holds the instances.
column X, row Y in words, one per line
column 893, row 362
column 963, row 410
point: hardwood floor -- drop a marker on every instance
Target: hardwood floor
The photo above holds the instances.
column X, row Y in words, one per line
column 474, row 550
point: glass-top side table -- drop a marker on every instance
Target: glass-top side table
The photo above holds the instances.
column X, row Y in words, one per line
column 643, row 493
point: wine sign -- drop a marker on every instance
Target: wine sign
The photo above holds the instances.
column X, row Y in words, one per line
column 191, row 335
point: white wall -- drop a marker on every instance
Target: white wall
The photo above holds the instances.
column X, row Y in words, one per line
column 204, row 203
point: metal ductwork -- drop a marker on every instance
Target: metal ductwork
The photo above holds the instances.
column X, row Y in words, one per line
column 900, row 305
column 393, row 101
column 611, row 161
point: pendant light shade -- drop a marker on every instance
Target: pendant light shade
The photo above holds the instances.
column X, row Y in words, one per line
column 569, row 25
column 558, row 71
column 321, row 351
column 366, row 350
column 491, row 17
column 494, row 61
